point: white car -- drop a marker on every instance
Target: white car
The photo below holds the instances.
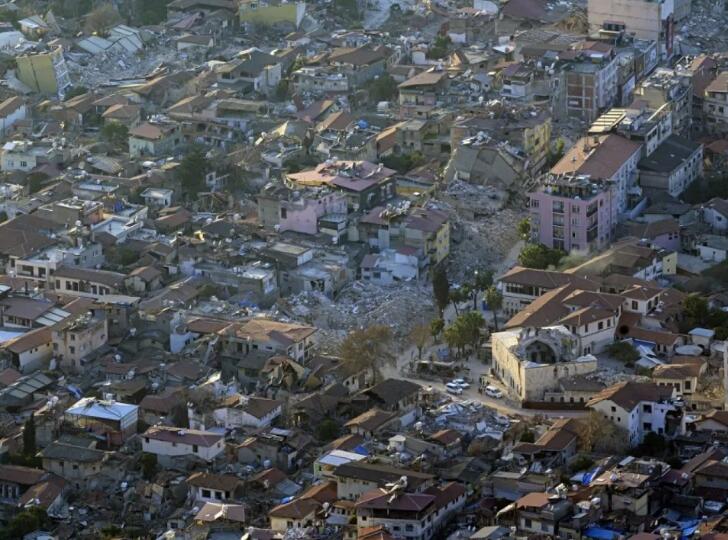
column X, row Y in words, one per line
column 461, row 383
column 453, row 389
column 493, row 392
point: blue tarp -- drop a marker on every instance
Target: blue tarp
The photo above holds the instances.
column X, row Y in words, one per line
column 361, row 450
column 600, row 533
column 589, row 476
column 75, row 391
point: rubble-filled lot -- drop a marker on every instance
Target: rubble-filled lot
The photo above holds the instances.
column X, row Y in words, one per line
column 483, row 222
column 704, row 31
column 362, row 304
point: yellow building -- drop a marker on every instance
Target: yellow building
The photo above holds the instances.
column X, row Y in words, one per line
column 537, row 140
column 430, row 229
column 45, row 73
column 266, row 13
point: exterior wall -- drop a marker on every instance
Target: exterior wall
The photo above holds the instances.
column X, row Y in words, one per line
column 232, row 418
column 35, row 358
column 715, row 110
column 678, row 180
column 268, row 15
column 646, row 417
column 712, row 254
column 283, row 524
column 71, row 346
column 527, row 380
column 650, row 20
column 300, row 216
column 683, row 387
column 573, row 227
column 414, row 529
column 45, row 73
column 596, row 336
column 79, row 474
column 169, row 449
column 205, row 494
column 715, row 219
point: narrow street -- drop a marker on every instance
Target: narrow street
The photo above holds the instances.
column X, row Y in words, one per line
column 477, row 368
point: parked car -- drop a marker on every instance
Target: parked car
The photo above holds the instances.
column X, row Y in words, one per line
column 493, row 392
column 453, row 389
column 462, row 383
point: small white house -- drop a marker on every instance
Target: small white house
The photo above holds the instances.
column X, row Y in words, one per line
column 702, row 337
column 242, row 411
column 639, row 408
column 170, row 442
column 208, row 487
column 712, row 248
column 157, row 197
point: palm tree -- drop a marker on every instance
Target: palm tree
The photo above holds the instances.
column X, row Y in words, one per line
column 494, row 299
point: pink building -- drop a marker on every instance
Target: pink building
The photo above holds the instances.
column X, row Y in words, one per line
column 572, row 212
column 306, row 211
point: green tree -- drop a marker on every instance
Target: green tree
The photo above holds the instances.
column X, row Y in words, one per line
column 369, row 347
column 327, row 430
column 148, row 12
column 460, row 295
column 25, row 522
column 528, row 436
column 282, row 90
column 101, row 19
column 436, row 328
column 470, row 325
column 455, row 338
column 439, row 48
column 348, row 9
column 653, row 445
column 494, row 299
column 382, row 88
column 191, row 172
column 556, row 152
column 441, row 289
column 403, row 163
column 624, row 352
column 35, row 182
column 116, row 134
column 539, row 256
column 149, row 465
column 524, row 228
column 29, row 447
column 3, row 216
column 419, row 336
column 179, row 416
column 696, row 310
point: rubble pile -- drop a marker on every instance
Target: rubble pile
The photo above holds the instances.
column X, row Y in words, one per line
column 485, row 243
column 362, row 304
column 704, row 31
column 118, row 64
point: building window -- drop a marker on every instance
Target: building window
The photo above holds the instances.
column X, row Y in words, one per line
column 206, row 493
column 195, row 448
column 647, row 408
column 647, row 426
column 635, row 305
